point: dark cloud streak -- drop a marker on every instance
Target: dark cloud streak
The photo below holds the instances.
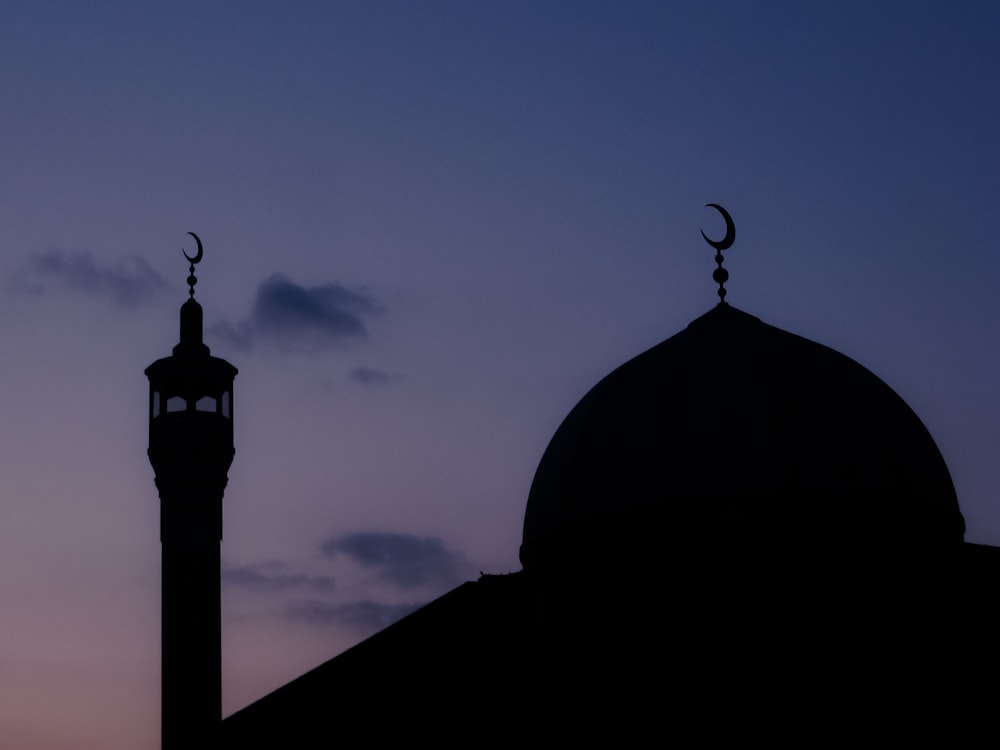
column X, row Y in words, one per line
column 271, row 576
column 291, row 317
column 401, row 559
column 371, row 377
column 128, row 282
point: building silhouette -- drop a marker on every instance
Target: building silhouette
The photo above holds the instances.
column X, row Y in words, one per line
column 738, row 533
column 191, row 449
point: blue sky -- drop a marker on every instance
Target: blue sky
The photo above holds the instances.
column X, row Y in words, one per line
column 429, row 229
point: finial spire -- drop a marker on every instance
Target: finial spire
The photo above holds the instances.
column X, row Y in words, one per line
column 191, row 342
column 721, row 275
column 192, row 279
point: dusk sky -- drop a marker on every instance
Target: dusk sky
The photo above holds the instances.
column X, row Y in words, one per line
column 429, row 228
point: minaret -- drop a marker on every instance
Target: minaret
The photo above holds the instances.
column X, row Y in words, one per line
column 191, row 449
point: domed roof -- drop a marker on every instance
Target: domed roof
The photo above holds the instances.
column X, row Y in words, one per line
column 736, row 424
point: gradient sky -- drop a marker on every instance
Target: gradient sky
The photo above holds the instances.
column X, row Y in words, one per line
column 429, row 228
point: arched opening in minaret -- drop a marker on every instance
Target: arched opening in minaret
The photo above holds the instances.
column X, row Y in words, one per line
column 206, row 403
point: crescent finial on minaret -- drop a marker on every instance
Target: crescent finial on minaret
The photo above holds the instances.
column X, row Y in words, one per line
column 192, row 279
column 721, row 275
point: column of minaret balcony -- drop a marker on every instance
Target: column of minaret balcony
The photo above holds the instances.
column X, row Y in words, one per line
column 191, row 449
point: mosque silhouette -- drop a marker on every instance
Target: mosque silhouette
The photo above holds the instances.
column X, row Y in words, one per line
column 737, row 534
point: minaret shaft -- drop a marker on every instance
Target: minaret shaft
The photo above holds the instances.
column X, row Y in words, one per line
column 191, row 628
column 191, row 493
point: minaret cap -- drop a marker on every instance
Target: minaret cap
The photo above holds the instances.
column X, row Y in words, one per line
column 191, row 343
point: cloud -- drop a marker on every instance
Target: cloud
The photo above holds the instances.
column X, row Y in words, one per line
column 372, row 377
column 272, row 576
column 401, row 559
column 128, row 282
column 400, row 563
column 367, row 615
column 237, row 335
column 291, row 317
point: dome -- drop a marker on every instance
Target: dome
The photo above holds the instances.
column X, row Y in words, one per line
column 736, row 429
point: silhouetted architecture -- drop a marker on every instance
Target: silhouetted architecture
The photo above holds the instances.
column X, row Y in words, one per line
column 191, row 449
column 739, row 533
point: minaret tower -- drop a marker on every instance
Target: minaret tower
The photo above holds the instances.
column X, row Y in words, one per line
column 191, row 449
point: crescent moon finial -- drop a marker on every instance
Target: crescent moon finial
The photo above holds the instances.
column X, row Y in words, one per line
column 192, row 279
column 198, row 255
column 721, row 275
column 726, row 242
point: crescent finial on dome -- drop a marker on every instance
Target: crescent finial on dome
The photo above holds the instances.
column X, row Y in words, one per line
column 721, row 275
column 192, row 279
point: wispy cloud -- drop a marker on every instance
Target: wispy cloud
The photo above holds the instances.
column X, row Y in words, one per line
column 403, row 565
column 291, row 317
column 401, row 559
column 371, row 377
column 367, row 615
column 273, row 576
column 128, row 282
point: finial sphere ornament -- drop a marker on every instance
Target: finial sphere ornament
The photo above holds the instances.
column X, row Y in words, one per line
column 201, row 251
column 721, row 275
column 726, row 242
column 192, row 279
